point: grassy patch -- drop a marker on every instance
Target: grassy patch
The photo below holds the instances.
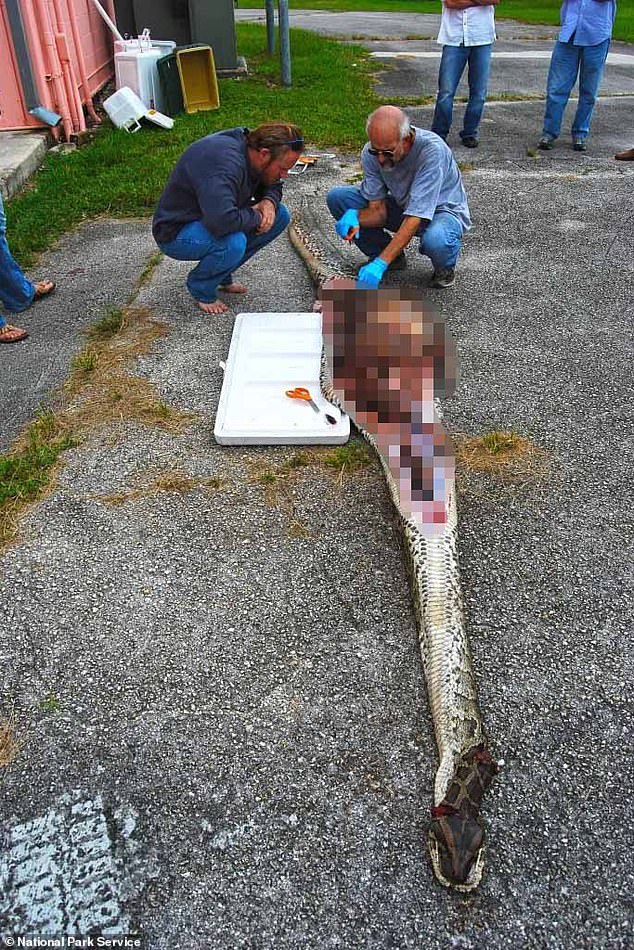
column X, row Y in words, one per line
column 532, row 152
column 527, row 11
column 504, row 454
column 99, row 391
column 277, row 483
column 168, row 482
column 84, row 363
column 27, row 470
column 122, row 175
column 50, row 703
column 149, row 268
column 8, row 743
column 111, row 323
column 347, row 458
column 465, row 166
column 107, row 392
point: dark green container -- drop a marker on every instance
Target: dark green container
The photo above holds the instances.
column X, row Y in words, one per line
column 170, row 81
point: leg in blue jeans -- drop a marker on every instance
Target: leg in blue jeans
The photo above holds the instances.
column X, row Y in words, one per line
column 452, row 64
column 218, row 257
column 371, row 241
column 441, row 240
column 16, row 291
column 562, row 75
column 590, row 73
column 479, row 69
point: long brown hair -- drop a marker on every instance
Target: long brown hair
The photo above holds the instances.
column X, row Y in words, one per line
column 277, row 137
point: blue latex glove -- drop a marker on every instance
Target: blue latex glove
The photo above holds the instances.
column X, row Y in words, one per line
column 372, row 274
column 348, row 225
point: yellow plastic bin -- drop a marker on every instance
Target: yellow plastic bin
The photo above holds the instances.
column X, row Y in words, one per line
column 197, row 72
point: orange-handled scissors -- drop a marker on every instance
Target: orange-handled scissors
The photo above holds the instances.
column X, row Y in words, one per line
column 300, row 392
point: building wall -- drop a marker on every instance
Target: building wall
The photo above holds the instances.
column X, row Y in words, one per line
column 95, row 39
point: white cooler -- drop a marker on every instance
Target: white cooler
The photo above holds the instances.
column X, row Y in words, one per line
column 135, row 67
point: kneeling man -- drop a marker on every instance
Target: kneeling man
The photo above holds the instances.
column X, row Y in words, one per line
column 222, row 204
column 411, row 186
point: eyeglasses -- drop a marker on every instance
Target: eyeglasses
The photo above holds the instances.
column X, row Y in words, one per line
column 388, row 152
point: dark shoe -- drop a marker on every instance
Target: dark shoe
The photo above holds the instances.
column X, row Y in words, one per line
column 443, row 278
column 579, row 144
column 627, row 156
column 546, row 142
column 470, row 141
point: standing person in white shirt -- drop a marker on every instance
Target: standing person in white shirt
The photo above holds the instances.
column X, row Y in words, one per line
column 467, row 32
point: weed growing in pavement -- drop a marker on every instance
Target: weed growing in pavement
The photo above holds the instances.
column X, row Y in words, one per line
column 8, row 743
column 26, row 471
column 532, row 152
column 504, row 454
column 465, row 166
column 149, row 268
column 99, row 391
column 347, row 458
column 168, row 482
column 85, row 362
column 109, row 324
column 51, row 703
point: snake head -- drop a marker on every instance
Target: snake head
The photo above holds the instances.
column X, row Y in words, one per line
column 455, row 842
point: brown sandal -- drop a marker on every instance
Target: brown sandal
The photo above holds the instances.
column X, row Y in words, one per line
column 9, row 334
column 43, row 288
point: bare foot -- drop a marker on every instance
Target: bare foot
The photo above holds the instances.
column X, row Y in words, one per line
column 216, row 306
column 234, row 288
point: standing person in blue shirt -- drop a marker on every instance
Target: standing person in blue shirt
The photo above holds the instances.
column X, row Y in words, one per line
column 411, row 187
column 467, row 32
column 581, row 49
column 222, row 204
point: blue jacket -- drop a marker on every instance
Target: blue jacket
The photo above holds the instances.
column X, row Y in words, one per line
column 213, row 182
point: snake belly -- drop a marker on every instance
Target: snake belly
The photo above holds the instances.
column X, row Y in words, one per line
column 466, row 767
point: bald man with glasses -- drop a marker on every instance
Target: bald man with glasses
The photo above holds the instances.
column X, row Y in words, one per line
column 411, row 188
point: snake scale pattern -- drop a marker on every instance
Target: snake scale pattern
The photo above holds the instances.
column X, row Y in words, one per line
column 466, row 767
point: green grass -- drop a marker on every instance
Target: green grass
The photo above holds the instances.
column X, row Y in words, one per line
column 122, row 175
column 537, row 11
column 350, row 456
column 108, row 326
column 25, row 472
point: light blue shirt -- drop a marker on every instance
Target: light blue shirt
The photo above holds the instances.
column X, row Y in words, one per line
column 425, row 181
column 589, row 20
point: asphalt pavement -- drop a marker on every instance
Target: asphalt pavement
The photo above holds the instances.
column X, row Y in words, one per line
column 225, row 738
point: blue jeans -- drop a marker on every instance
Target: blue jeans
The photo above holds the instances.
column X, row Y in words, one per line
column 16, row 291
column 218, row 257
column 452, row 64
column 440, row 238
column 566, row 62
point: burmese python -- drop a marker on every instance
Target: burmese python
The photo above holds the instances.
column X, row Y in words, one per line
column 466, row 766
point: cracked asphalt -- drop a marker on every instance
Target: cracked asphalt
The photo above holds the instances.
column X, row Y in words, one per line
column 224, row 734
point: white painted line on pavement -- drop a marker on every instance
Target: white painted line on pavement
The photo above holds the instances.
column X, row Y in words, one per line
column 614, row 59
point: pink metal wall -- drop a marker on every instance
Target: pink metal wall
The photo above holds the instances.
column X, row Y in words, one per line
column 69, row 43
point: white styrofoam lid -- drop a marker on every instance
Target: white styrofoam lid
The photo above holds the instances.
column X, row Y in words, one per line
column 271, row 353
